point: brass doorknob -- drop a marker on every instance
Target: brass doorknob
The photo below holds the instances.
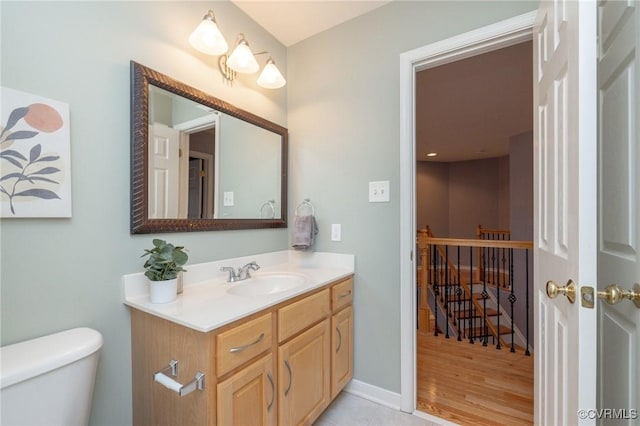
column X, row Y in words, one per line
column 615, row 294
column 569, row 290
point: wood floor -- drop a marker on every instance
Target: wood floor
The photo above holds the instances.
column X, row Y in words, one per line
column 473, row 385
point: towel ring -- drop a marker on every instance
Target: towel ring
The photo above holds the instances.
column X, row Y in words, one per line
column 270, row 203
column 305, row 202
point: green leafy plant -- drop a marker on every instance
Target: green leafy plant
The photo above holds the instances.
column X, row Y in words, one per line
column 165, row 261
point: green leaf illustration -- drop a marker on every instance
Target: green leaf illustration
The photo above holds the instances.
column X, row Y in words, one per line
column 12, row 153
column 21, row 134
column 45, row 171
column 15, row 115
column 35, row 152
column 12, row 175
column 47, row 158
column 45, row 194
column 43, row 179
column 12, row 161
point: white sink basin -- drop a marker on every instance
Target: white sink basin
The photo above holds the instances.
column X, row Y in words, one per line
column 267, row 283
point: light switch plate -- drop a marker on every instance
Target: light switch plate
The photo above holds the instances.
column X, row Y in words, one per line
column 336, row 232
column 379, row 191
column 228, row 199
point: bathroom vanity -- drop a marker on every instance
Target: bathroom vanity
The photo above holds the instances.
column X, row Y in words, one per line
column 273, row 349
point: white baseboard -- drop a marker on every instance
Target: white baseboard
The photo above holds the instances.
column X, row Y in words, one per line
column 374, row 394
column 434, row 419
column 388, row 399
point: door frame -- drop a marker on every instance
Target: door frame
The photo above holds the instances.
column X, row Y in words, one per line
column 495, row 36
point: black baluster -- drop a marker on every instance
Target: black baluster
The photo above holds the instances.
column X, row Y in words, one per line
column 498, row 291
column 435, row 289
column 459, row 294
column 526, row 252
column 470, row 302
column 502, row 279
column 485, row 340
column 512, row 299
column 446, row 288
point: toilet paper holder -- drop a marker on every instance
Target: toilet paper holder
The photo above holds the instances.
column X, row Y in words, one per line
column 161, row 377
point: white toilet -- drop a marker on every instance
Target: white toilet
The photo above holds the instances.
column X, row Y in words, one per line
column 49, row 380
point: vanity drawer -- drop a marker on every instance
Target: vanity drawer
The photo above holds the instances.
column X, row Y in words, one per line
column 342, row 294
column 241, row 343
column 303, row 313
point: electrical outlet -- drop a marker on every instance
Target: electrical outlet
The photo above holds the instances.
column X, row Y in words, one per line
column 336, row 232
column 379, row 191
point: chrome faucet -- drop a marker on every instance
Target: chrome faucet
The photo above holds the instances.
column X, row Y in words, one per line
column 242, row 273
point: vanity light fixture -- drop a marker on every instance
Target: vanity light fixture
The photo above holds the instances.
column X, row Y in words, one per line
column 208, row 39
column 241, row 59
column 271, row 77
column 432, row 154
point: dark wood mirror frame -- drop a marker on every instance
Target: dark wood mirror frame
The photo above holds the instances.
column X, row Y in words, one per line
column 141, row 78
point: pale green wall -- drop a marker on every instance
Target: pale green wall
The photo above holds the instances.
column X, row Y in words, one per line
column 63, row 273
column 343, row 116
column 344, row 127
column 246, row 148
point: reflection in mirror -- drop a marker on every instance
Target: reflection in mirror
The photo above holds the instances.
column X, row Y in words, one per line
column 205, row 164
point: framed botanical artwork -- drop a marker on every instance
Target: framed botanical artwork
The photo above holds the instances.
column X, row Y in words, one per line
column 35, row 156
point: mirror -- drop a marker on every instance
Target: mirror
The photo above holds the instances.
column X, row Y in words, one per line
column 199, row 163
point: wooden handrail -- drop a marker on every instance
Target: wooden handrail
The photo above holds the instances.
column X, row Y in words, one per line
column 481, row 231
column 463, row 242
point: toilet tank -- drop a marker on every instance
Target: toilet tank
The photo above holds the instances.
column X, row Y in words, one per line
column 49, row 380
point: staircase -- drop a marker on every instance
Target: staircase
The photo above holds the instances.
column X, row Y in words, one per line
column 474, row 302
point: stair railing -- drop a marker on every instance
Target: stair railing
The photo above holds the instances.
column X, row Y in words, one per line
column 441, row 275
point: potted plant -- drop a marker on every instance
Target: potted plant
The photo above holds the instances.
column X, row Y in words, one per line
column 162, row 267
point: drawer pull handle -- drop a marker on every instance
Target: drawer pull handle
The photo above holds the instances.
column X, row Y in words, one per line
column 273, row 390
column 339, row 339
column 343, row 295
column 247, row 346
column 286, row 364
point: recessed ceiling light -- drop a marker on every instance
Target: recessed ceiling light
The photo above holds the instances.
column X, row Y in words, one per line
column 432, row 154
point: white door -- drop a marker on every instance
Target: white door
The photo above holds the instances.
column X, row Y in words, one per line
column 619, row 204
column 163, row 171
column 565, row 208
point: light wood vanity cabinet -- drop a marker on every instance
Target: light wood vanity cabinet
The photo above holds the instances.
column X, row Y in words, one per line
column 281, row 366
column 342, row 335
column 248, row 396
column 304, row 376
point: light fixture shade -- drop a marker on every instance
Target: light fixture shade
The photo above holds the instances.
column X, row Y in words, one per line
column 271, row 77
column 242, row 60
column 207, row 38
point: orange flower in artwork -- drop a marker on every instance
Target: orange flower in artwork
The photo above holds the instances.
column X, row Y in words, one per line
column 43, row 117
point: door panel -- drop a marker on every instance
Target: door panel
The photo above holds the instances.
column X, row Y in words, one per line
column 618, row 180
column 163, row 171
column 564, row 207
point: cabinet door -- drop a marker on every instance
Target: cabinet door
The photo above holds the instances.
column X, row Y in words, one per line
column 341, row 350
column 248, row 397
column 304, row 376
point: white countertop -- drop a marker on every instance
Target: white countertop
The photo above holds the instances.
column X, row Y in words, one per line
column 205, row 304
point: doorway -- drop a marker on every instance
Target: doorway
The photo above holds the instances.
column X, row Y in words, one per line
column 474, row 165
column 503, row 34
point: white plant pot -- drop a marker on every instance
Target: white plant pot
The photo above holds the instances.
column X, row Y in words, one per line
column 163, row 291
